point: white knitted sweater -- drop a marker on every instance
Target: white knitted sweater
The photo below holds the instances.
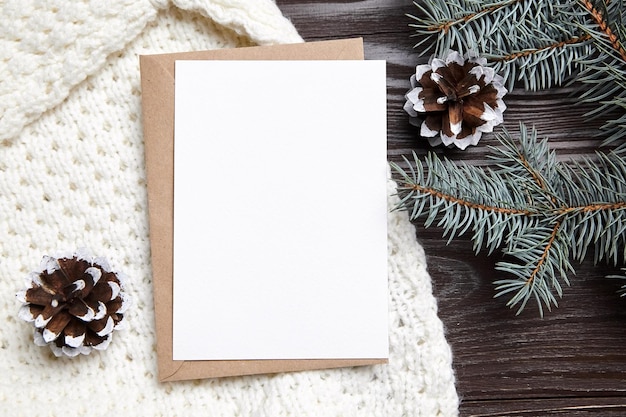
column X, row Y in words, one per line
column 72, row 175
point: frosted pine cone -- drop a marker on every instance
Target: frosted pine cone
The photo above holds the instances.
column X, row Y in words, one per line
column 75, row 302
column 455, row 100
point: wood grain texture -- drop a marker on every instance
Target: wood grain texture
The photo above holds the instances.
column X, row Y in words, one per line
column 572, row 362
column 570, row 407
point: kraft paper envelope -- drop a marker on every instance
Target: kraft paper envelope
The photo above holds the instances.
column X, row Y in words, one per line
column 157, row 81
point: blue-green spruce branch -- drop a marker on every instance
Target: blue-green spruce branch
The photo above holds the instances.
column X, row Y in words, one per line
column 544, row 215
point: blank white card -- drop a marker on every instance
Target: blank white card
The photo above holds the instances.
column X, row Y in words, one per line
column 280, row 233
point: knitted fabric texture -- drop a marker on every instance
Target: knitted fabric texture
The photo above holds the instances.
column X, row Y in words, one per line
column 72, row 175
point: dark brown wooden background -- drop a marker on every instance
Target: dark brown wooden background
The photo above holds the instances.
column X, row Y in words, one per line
column 572, row 362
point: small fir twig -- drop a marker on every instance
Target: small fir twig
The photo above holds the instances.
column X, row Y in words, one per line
column 601, row 18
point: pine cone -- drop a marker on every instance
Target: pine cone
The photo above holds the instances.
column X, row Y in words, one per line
column 75, row 302
column 458, row 99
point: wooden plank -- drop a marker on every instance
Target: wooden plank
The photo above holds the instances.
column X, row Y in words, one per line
column 571, row 407
column 504, row 363
column 576, row 349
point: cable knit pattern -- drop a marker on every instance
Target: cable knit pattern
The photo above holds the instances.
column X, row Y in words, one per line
column 67, row 41
column 72, row 174
column 45, row 51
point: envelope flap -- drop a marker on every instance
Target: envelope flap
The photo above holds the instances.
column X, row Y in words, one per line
column 157, row 85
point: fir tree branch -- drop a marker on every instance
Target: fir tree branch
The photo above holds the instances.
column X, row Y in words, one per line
column 557, row 212
column 464, row 203
column 553, row 46
column 600, row 19
column 541, row 213
column 546, row 253
column 537, row 177
column 518, row 36
column 605, row 71
column 529, row 283
column 592, row 208
column 444, row 26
